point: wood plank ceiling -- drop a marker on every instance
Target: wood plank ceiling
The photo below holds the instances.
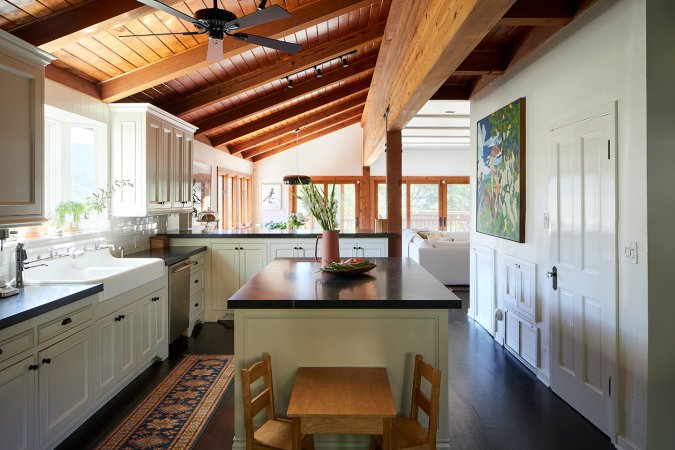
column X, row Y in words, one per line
column 243, row 104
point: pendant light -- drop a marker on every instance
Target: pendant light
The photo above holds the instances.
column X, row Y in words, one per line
column 297, row 179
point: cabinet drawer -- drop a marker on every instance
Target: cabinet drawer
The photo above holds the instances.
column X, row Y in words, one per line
column 199, row 259
column 16, row 344
column 64, row 323
column 196, row 281
column 196, row 305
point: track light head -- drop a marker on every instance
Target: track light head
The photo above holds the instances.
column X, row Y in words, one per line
column 318, row 72
column 290, row 83
column 262, row 4
column 344, row 62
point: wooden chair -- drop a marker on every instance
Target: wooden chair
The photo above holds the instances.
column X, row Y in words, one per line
column 275, row 433
column 406, row 432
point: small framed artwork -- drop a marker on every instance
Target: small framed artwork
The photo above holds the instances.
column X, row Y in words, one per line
column 270, row 196
column 500, row 174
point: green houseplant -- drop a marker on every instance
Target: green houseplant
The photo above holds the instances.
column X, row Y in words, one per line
column 72, row 210
column 324, row 207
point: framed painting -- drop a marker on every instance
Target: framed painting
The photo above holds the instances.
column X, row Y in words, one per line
column 500, row 174
column 270, row 196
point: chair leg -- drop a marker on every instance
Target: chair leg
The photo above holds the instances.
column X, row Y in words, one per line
column 308, row 442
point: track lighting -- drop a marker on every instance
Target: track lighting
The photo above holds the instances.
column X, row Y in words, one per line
column 318, row 72
column 262, row 4
column 344, row 62
column 290, row 83
column 317, row 69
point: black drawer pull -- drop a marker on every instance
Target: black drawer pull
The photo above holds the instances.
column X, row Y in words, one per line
column 196, row 304
column 33, row 367
column 46, row 361
column 117, row 319
column 122, row 316
column 66, row 321
column 196, row 281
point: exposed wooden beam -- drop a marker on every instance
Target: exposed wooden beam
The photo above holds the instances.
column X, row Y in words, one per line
column 302, row 60
column 483, row 62
column 54, row 27
column 72, row 81
column 316, row 124
column 269, row 101
column 309, row 138
column 289, row 113
column 452, row 92
column 539, row 13
column 431, row 41
column 195, row 58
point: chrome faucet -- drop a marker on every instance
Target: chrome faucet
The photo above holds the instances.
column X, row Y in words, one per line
column 22, row 264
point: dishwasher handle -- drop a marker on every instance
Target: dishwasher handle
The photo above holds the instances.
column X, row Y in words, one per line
column 184, row 267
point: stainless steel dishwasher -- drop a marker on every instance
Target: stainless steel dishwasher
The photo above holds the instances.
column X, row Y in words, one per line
column 179, row 298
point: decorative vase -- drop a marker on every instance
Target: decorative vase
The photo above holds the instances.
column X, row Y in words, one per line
column 331, row 247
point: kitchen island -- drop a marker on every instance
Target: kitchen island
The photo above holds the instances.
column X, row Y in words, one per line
column 306, row 318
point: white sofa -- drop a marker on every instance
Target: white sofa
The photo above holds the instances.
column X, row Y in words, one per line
column 443, row 254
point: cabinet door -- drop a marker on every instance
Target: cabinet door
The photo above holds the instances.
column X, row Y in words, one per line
column 178, row 169
column 17, row 413
column 186, row 183
column 127, row 339
column 252, row 259
column 146, row 324
column 106, row 345
column 64, row 384
column 224, row 274
column 371, row 250
column 284, row 250
column 160, row 314
column 21, row 128
column 153, row 161
column 164, row 167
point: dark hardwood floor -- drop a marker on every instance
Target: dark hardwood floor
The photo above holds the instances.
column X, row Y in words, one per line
column 495, row 402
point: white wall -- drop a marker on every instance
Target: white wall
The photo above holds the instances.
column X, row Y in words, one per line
column 420, row 162
column 598, row 59
column 67, row 99
column 337, row 154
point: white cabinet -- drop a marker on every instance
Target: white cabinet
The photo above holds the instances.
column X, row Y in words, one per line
column 152, row 327
column 17, row 413
column 160, row 317
column 65, row 383
column 153, row 150
column 349, row 248
column 21, row 128
column 363, row 248
column 293, row 249
column 196, row 293
column 117, row 347
column 519, row 286
column 233, row 266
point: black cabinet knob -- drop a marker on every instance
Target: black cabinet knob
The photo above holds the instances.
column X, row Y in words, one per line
column 117, row 319
column 66, row 321
column 122, row 316
column 46, row 360
column 33, row 367
column 196, row 281
column 0, row 351
column 196, row 304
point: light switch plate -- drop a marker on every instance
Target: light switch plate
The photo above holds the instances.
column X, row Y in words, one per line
column 630, row 252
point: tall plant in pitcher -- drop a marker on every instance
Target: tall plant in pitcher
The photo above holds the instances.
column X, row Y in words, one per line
column 323, row 207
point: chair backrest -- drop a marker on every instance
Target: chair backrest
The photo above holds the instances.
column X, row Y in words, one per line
column 428, row 404
column 264, row 400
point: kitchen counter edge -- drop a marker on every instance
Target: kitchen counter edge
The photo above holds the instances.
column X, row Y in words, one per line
column 170, row 255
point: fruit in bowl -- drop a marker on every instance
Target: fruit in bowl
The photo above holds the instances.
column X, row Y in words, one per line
column 351, row 266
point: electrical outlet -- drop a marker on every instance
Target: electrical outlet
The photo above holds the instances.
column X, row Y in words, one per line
column 630, row 252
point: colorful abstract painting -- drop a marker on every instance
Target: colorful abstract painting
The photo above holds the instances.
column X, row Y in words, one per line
column 500, row 177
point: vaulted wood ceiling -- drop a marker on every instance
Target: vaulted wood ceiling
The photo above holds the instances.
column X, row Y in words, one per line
column 243, row 104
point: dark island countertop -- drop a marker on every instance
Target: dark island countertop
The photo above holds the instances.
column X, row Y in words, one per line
column 257, row 232
column 170, row 255
column 396, row 283
column 35, row 300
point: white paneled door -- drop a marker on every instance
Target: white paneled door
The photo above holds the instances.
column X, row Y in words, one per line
column 582, row 206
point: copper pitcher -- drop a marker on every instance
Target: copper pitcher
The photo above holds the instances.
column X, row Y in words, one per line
column 331, row 247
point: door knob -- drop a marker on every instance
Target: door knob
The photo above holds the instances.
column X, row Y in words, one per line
column 553, row 274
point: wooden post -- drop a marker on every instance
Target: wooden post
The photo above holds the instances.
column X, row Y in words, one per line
column 394, row 177
column 365, row 213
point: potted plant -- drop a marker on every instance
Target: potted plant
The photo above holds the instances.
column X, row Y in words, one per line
column 68, row 215
column 98, row 201
column 323, row 206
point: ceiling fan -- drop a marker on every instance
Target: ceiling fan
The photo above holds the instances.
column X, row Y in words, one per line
column 219, row 23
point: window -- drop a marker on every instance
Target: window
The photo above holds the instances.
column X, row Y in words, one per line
column 433, row 203
column 346, row 194
column 76, row 158
column 234, row 200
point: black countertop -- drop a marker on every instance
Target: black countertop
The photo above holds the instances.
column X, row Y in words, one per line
column 170, row 255
column 396, row 283
column 255, row 232
column 35, row 300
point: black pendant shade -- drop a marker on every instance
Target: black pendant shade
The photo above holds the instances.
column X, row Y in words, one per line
column 296, row 180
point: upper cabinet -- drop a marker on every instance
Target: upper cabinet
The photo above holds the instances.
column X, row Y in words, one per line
column 152, row 149
column 21, row 127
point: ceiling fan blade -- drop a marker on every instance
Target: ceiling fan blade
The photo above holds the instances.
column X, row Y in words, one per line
column 170, row 10
column 283, row 46
column 215, row 50
column 268, row 14
column 187, row 33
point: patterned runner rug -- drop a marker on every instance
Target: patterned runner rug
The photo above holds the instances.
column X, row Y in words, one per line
column 176, row 412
